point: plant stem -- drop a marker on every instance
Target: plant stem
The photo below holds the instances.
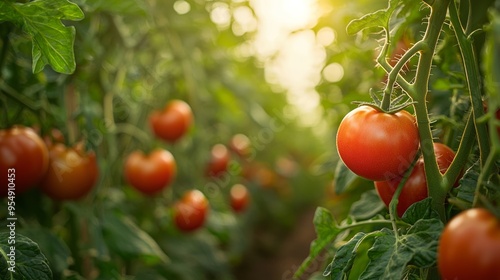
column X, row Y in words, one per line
column 393, row 75
column 421, row 87
column 470, row 64
column 462, row 153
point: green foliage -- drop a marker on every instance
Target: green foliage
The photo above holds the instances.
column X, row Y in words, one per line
column 28, row 261
column 52, row 42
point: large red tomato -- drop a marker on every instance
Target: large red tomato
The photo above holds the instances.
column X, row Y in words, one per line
column 152, row 173
column 23, row 158
column 191, row 211
column 240, row 197
column 415, row 188
column 72, row 173
column 219, row 161
column 172, row 122
column 469, row 247
column 376, row 145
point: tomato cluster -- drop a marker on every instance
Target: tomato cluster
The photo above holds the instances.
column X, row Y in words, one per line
column 381, row 146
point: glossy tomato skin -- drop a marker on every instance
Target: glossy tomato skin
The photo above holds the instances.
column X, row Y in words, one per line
column 469, row 247
column 218, row 162
column 151, row 173
column 191, row 211
column 24, row 152
column 376, row 145
column 415, row 188
column 240, row 198
column 72, row 173
column 172, row 122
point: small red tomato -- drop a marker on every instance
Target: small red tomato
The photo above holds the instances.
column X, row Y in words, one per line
column 240, row 197
column 152, row 173
column 376, row 145
column 415, row 188
column 191, row 211
column 72, row 173
column 240, row 144
column 219, row 161
column 24, row 159
column 469, row 247
column 172, row 122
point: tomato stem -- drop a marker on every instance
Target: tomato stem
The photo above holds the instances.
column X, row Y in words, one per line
column 471, row 68
column 433, row 176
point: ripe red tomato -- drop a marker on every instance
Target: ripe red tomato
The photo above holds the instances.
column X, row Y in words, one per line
column 151, row 173
column 24, row 153
column 219, row 161
column 240, row 144
column 240, row 197
column 376, row 145
column 191, row 211
column 72, row 173
column 415, row 188
column 469, row 247
column 172, row 122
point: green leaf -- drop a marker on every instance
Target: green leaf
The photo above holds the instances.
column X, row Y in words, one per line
column 344, row 178
column 390, row 255
column 125, row 238
column 379, row 18
column 419, row 210
column 52, row 40
column 26, row 261
column 344, row 257
column 367, row 206
column 326, row 230
column 57, row 252
column 467, row 188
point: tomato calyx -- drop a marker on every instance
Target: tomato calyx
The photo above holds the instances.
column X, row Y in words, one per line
column 397, row 104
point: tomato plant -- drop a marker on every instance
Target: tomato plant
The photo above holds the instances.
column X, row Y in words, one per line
column 469, row 247
column 151, row 173
column 72, row 173
column 24, row 151
column 171, row 123
column 240, row 197
column 377, row 145
column 218, row 162
column 190, row 211
column 415, row 188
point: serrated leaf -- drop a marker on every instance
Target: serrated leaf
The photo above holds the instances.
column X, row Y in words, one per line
column 390, row 255
column 57, row 252
column 419, row 210
column 125, row 238
column 466, row 190
column 379, row 18
column 367, row 206
column 343, row 257
column 52, row 41
column 28, row 262
column 326, row 231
